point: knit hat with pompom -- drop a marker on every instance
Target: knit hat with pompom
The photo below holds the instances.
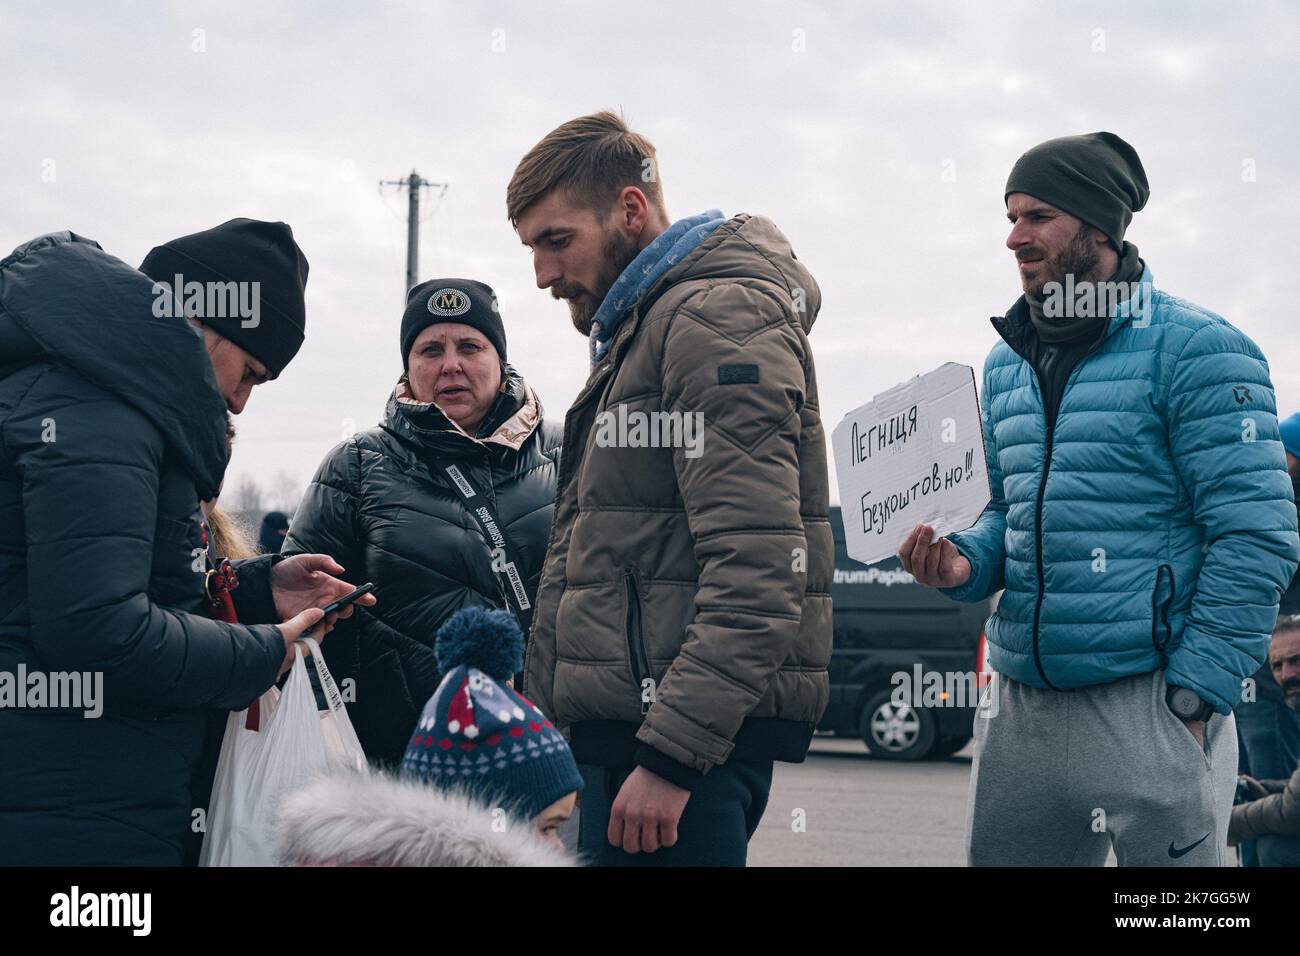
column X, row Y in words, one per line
column 477, row 733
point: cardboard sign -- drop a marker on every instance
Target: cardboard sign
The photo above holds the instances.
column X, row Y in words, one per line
column 913, row 454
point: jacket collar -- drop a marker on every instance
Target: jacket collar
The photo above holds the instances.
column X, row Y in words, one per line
column 512, row 419
column 1015, row 327
column 668, row 249
column 742, row 245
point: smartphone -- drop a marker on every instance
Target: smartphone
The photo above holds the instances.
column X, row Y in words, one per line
column 349, row 598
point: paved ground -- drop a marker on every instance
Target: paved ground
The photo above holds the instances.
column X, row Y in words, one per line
column 860, row 811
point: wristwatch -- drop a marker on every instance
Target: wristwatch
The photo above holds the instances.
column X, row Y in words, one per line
column 1187, row 704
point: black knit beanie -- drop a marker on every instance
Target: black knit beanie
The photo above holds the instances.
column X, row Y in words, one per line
column 452, row 300
column 242, row 251
column 1096, row 177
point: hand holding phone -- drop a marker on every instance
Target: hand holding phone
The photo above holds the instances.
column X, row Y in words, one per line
column 348, row 598
column 316, row 622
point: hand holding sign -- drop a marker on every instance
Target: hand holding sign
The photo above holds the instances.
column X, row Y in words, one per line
column 914, row 454
column 936, row 564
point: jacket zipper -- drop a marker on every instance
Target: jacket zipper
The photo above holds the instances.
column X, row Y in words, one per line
column 1038, row 524
column 1042, row 488
column 636, row 641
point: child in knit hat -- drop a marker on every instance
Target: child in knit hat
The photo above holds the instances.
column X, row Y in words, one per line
column 479, row 736
column 486, row 779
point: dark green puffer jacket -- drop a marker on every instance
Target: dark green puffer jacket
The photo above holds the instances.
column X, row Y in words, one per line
column 111, row 430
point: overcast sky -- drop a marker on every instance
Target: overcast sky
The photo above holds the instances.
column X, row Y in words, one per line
column 877, row 136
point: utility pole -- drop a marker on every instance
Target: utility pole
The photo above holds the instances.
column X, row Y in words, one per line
column 413, row 184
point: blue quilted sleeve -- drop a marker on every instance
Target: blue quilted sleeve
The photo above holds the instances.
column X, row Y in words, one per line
column 984, row 543
column 1222, row 421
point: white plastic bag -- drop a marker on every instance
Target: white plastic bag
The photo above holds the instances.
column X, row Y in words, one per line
column 258, row 767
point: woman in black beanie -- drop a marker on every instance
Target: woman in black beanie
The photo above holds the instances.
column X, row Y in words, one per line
column 446, row 504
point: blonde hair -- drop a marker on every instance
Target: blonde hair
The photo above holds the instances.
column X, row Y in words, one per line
column 227, row 538
column 592, row 158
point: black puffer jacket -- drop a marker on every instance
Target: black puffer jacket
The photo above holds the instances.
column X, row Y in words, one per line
column 111, row 429
column 382, row 506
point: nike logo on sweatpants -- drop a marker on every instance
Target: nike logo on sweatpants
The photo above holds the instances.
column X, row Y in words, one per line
column 1175, row 854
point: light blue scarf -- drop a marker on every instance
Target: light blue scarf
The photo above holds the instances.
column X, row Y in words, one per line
column 669, row 248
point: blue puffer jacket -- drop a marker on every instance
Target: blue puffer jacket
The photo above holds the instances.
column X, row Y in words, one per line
column 1153, row 526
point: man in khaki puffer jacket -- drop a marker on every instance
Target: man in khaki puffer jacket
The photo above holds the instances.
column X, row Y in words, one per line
column 683, row 620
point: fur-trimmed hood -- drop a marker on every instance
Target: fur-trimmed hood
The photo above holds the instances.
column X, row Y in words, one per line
column 373, row 819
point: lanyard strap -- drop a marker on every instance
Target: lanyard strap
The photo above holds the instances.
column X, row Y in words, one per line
column 505, row 559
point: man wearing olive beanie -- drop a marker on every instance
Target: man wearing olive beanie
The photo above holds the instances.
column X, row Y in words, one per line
column 1098, row 178
column 1141, row 529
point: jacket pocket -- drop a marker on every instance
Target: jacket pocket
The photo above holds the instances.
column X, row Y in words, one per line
column 637, row 657
column 1161, row 629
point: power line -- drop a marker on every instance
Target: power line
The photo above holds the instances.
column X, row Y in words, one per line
column 413, row 184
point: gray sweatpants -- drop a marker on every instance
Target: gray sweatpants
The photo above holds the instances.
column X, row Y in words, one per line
column 1061, row 776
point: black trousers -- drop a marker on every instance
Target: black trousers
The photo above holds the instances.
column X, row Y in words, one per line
column 722, row 814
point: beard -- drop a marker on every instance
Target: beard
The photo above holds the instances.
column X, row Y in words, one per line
column 1079, row 258
column 1292, row 697
column 616, row 252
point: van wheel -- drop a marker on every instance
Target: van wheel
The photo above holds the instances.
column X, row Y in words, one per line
column 896, row 731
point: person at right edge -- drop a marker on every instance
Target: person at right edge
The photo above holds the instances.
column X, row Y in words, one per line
column 1142, row 524
column 683, row 622
column 1268, row 721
